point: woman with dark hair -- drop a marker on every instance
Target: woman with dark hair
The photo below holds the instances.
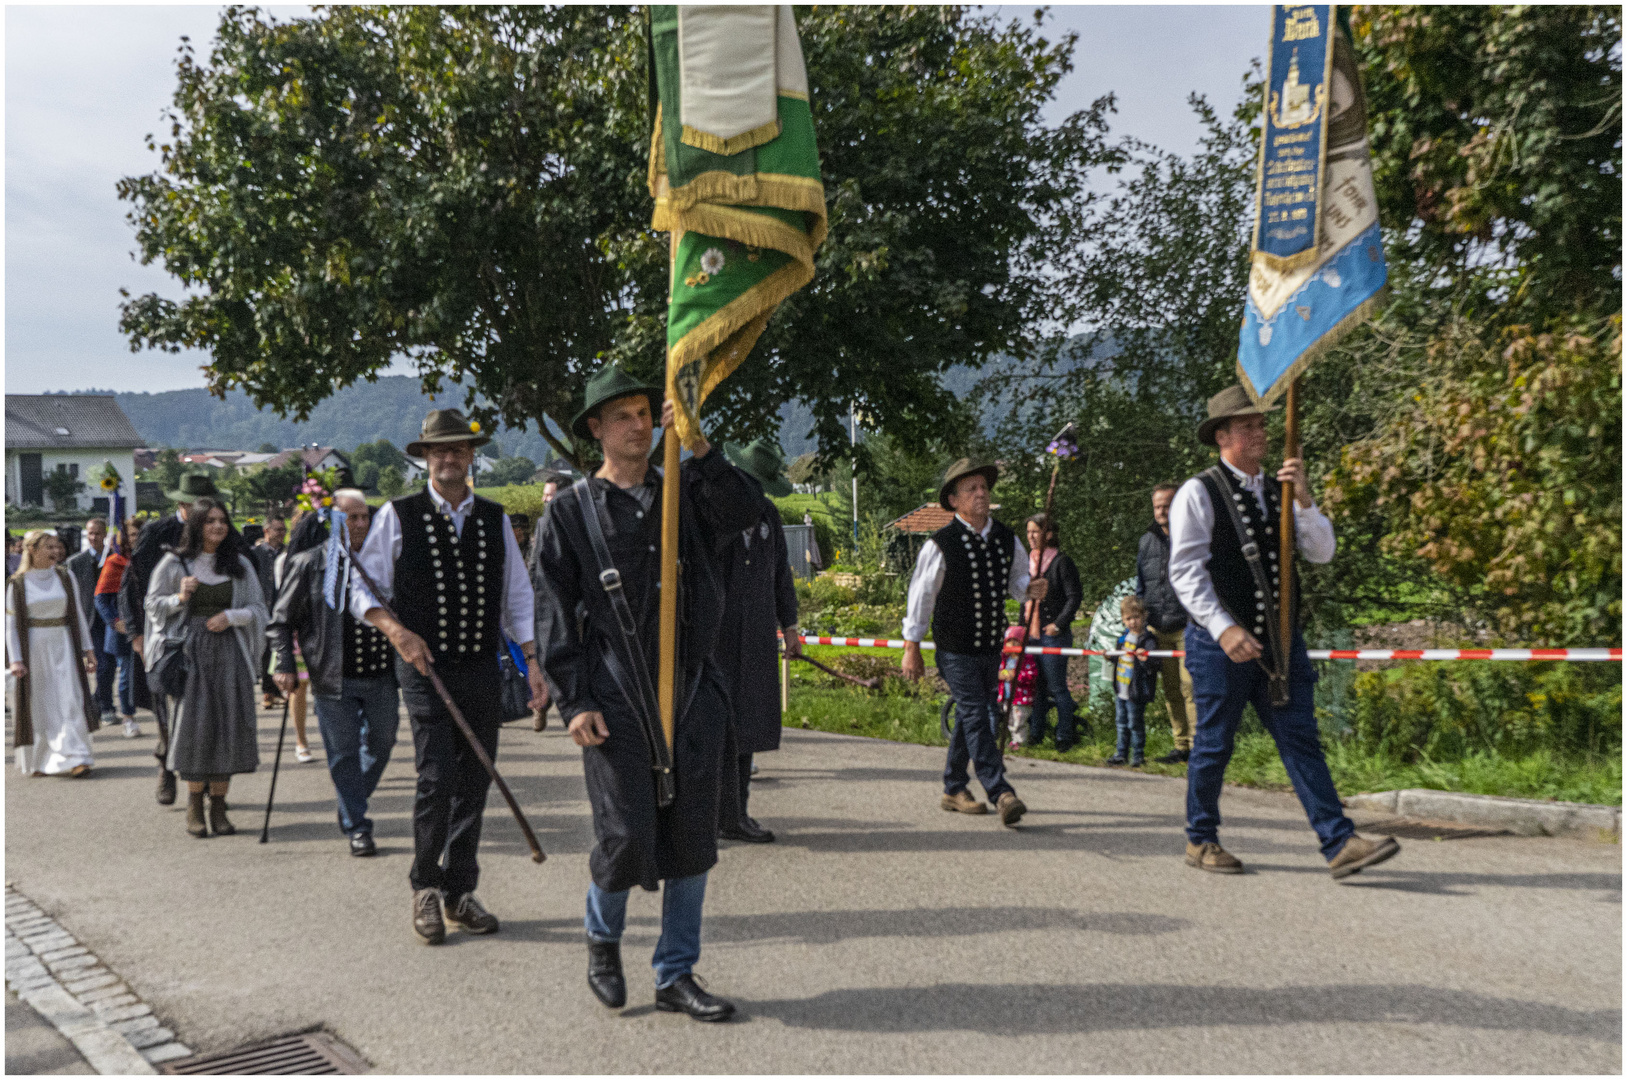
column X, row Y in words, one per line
column 205, row 593
column 1062, row 597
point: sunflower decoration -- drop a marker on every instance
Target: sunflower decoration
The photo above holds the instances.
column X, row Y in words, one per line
column 110, row 478
column 315, row 495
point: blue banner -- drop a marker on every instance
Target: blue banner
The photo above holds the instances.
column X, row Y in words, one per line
column 1318, row 261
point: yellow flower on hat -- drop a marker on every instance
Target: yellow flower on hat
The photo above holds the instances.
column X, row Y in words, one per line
column 474, row 426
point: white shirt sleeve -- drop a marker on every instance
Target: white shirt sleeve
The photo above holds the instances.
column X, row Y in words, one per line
column 377, row 556
column 925, row 584
column 1191, row 529
column 519, row 602
column 1018, row 583
column 14, row 641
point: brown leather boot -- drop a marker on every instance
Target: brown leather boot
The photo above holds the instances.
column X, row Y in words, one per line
column 1213, row 858
column 1360, row 853
column 194, row 815
column 166, row 786
column 1011, row 809
column 217, row 816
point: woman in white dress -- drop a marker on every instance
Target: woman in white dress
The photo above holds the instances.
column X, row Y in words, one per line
column 48, row 649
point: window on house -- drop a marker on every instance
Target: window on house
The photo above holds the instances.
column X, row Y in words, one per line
column 72, row 470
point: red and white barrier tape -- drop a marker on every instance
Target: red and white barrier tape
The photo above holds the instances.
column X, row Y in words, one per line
column 1314, row 654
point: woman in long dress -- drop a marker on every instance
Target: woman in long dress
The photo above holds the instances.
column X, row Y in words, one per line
column 48, row 649
column 206, row 594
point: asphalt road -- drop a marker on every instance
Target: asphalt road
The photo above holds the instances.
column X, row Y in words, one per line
column 879, row 934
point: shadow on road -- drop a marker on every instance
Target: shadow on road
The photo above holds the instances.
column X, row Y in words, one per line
column 1038, row 1009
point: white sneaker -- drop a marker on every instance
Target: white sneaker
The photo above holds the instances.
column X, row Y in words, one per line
column 754, row 768
column 132, row 730
column 303, row 755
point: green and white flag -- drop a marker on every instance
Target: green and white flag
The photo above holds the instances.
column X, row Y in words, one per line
column 735, row 176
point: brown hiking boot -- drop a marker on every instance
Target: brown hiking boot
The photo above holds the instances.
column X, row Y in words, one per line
column 426, row 916
column 1360, row 853
column 218, row 824
column 166, row 786
column 1213, row 858
column 962, row 802
column 1011, row 809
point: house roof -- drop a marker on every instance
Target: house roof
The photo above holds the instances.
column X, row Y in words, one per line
column 928, row 518
column 66, row 422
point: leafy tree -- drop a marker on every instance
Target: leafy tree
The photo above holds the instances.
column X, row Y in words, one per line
column 63, row 488
column 513, row 470
column 369, row 459
column 466, row 187
column 270, row 490
column 1496, row 135
column 390, row 481
column 268, row 448
column 166, row 469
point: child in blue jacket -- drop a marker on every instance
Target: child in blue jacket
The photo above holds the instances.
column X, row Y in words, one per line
column 1135, row 680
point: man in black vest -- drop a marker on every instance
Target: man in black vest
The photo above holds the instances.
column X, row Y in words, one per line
column 447, row 561
column 151, row 546
column 962, row 578
column 760, row 600
column 1224, row 567
column 599, row 672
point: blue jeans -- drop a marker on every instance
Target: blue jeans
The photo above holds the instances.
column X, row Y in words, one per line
column 1221, row 688
column 1052, row 688
column 1130, row 717
column 976, row 739
column 680, row 945
column 117, row 647
column 358, row 733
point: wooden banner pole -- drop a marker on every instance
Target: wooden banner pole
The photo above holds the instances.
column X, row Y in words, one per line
column 1285, row 555
column 667, row 679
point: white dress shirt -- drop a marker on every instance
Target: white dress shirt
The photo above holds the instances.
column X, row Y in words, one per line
column 383, row 547
column 927, row 581
column 1192, row 526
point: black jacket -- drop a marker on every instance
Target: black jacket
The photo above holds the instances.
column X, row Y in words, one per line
column 302, row 609
column 636, row 844
column 1063, row 594
column 1164, row 610
column 1143, row 673
column 85, row 569
column 760, row 597
column 150, row 549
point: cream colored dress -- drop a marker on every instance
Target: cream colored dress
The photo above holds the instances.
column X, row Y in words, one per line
column 55, row 699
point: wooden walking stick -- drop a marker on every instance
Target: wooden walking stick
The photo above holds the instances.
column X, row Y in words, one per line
column 457, row 717
column 1285, row 553
column 276, row 764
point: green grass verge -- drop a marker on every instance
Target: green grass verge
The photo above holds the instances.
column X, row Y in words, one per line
column 903, row 714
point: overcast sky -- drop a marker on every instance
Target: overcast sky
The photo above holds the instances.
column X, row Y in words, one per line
column 84, row 85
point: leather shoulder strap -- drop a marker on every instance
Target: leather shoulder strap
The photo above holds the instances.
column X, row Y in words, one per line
column 1251, row 555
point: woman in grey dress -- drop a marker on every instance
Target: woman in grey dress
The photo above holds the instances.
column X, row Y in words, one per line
column 206, row 593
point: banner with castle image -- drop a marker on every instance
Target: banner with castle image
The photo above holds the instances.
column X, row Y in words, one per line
column 1317, row 259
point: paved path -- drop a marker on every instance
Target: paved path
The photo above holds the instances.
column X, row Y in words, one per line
column 34, row 1047
column 879, row 935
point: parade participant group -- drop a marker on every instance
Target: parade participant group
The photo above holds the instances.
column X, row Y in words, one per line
column 453, row 588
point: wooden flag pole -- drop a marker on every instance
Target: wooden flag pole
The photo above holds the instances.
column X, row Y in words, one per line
column 667, row 678
column 1285, row 555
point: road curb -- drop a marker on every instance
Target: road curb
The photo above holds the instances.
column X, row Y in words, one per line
column 106, row 1022
column 1523, row 817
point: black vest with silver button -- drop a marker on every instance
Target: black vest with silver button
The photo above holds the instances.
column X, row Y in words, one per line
column 449, row 591
column 970, row 615
column 368, row 654
column 1229, row 570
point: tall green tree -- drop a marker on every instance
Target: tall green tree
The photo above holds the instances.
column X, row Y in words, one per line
column 465, row 187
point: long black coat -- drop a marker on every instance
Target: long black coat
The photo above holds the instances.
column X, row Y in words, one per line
column 760, row 597
column 150, row 550
column 637, row 845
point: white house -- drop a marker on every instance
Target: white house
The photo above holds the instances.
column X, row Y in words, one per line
column 72, row 433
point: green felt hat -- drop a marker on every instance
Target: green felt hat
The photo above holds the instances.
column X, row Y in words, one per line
column 194, row 486
column 764, row 461
column 611, row 383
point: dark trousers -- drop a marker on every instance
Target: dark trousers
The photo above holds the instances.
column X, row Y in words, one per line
column 1222, row 688
column 973, row 682
column 452, row 783
column 107, row 665
column 734, row 788
column 1051, row 688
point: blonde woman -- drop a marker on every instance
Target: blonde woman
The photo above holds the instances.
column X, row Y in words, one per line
column 48, row 649
column 206, row 594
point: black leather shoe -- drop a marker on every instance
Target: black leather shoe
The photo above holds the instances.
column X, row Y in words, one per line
column 166, row 786
column 604, row 973
column 1174, row 757
column 686, row 996
column 361, row 844
column 466, row 912
column 747, row 831
column 426, row 916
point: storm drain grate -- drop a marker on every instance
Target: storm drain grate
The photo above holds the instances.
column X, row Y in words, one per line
column 1413, row 829
column 314, row 1053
